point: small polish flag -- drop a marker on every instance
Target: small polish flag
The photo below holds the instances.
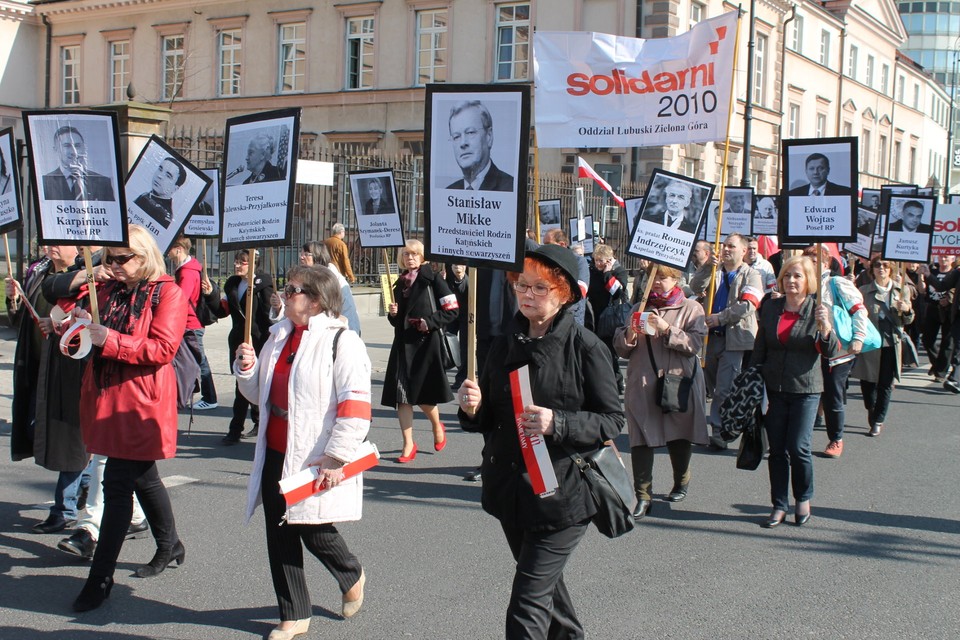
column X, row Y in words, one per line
column 586, row 171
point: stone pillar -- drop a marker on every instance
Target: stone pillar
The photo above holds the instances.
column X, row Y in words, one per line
column 137, row 122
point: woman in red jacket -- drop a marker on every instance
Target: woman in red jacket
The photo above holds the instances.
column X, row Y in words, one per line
column 128, row 404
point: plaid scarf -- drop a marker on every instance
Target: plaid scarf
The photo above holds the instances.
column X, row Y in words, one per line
column 122, row 310
column 406, row 281
column 667, row 299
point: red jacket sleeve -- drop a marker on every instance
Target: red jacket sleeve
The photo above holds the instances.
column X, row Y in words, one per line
column 158, row 344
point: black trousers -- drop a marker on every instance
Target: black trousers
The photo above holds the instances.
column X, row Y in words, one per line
column 834, row 397
column 286, row 553
column 240, row 408
column 876, row 395
column 121, row 479
column 540, row 607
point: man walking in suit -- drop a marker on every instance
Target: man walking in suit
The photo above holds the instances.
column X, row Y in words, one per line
column 675, row 210
column 72, row 180
column 471, row 131
column 817, row 168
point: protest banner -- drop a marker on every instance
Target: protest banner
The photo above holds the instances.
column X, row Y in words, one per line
column 377, row 208
column 601, row 90
column 670, row 217
column 75, row 176
column 204, row 220
column 946, row 230
column 820, row 187
column 909, row 227
column 260, row 157
column 475, row 188
column 168, row 189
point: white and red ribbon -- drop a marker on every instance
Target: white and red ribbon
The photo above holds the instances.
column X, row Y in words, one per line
column 543, row 479
column 299, row 486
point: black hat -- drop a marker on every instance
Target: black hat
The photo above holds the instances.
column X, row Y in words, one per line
column 563, row 258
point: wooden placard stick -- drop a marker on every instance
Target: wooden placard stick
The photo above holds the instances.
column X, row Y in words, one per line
column 91, row 286
column 248, row 311
column 472, row 324
column 648, row 287
column 820, row 280
column 536, row 187
column 6, row 246
column 386, row 265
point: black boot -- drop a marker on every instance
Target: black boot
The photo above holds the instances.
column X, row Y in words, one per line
column 162, row 559
column 642, row 508
column 95, row 591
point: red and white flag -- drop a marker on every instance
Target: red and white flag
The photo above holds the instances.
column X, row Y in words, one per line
column 586, row 171
column 536, row 458
column 299, row 486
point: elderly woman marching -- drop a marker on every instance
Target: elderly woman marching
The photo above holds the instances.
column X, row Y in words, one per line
column 674, row 336
column 312, row 378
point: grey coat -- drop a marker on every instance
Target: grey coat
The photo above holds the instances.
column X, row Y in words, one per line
column 867, row 365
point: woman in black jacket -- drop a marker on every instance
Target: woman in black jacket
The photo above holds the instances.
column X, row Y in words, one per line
column 423, row 305
column 793, row 333
column 575, row 408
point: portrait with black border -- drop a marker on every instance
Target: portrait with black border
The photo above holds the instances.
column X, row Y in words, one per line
column 477, row 139
column 377, row 207
column 11, row 206
column 766, row 213
column 908, row 232
column 819, row 191
column 866, row 230
column 163, row 189
column 738, row 208
column 672, row 213
column 550, row 213
column 260, row 160
column 584, row 239
column 954, row 198
column 204, row 220
column 870, row 199
column 75, row 177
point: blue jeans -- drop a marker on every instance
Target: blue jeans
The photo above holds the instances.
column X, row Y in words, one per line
column 789, row 425
column 65, row 495
column 835, row 396
column 208, row 392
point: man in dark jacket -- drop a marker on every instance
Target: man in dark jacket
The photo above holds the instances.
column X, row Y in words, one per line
column 234, row 303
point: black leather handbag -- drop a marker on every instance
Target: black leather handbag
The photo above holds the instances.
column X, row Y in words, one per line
column 606, row 478
column 673, row 390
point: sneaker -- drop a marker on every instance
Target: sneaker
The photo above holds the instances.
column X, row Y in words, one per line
column 834, row 449
column 951, row 385
column 203, row 405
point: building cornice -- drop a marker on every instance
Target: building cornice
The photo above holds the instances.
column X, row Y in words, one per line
column 18, row 12
column 332, row 99
column 69, row 10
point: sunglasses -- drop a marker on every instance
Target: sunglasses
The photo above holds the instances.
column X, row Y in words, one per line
column 291, row 290
column 119, row 260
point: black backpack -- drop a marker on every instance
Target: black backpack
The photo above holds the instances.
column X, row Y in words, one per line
column 186, row 363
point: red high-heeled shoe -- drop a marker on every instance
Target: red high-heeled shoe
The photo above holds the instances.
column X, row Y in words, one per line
column 409, row 458
column 438, row 446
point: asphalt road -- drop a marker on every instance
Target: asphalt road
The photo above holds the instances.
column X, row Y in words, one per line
column 879, row 559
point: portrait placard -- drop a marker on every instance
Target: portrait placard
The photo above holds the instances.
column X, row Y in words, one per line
column 670, row 217
column 260, row 158
column 376, row 205
column 475, row 189
column 946, row 230
column 888, row 190
column 820, row 182
column 766, row 213
column 954, row 198
column 550, row 215
column 11, row 207
column 866, row 228
column 909, row 228
column 204, row 220
column 163, row 189
column 632, row 207
column 738, row 209
column 870, row 199
column 581, row 232
column 75, row 176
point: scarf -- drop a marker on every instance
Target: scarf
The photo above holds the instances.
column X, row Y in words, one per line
column 670, row 298
column 122, row 310
column 406, row 281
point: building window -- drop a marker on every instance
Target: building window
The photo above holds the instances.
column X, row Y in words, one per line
column 119, row 69
column 793, row 127
column 847, row 129
column 900, row 83
column 698, row 12
column 760, row 70
column 869, row 78
column 360, row 52
column 821, row 125
column 911, row 177
column 431, row 46
column 70, row 73
column 852, row 63
column 173, row 66
column 916, row 96
column 883, row 155
column 230, row 42
column 293, row 57
column 825, row 48
column 895, row 169
column 690, row 167
column 884, row 79
column 513, row 41
column 796, row 40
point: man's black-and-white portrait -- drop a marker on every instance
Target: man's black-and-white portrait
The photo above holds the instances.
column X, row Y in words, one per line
column 674, row 203
column 765, row 216
column 472, row 136
column 909, row 228
column 822, row 187
column 910, row 215
column 549, row 212
column 204, row 220
column 870, row 199
column 73, row 178
column 157, row 203
column 866, row 227
column 815, row 180
column 11, row 214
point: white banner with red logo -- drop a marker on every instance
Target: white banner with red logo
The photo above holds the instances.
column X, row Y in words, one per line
column 601, row 90
column 543, row 480
column 946, row 231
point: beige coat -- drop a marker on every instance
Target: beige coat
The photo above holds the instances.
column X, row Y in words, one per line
column 867, row 365
column 675, row 352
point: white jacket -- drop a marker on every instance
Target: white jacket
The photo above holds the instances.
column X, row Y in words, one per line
column 329, row 413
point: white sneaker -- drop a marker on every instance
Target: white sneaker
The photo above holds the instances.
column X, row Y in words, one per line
column 203, row 405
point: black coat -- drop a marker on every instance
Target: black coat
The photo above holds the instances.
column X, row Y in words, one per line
column 426, row 378
column 51, row 381
column 598, row 295
column 236, row 306
column 570, row 373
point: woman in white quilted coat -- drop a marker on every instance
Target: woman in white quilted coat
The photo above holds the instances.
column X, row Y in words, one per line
column 312, row 379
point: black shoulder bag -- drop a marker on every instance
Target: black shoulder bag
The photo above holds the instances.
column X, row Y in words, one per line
column 449, row 342
column 673, row 391
column 606, row 478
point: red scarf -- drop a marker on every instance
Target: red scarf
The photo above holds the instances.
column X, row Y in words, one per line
column 669, row 299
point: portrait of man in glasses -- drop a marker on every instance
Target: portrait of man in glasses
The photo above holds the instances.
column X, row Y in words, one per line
column 471, row 133
column 73, row 179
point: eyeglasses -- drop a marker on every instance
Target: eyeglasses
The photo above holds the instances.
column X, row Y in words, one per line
column 118, row 260
column 882, row 266
column 538, row 289
column 291, row 290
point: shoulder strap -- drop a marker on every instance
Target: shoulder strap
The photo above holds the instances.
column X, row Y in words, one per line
column 653, row 360
column 336, row 341
column 155, row 295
